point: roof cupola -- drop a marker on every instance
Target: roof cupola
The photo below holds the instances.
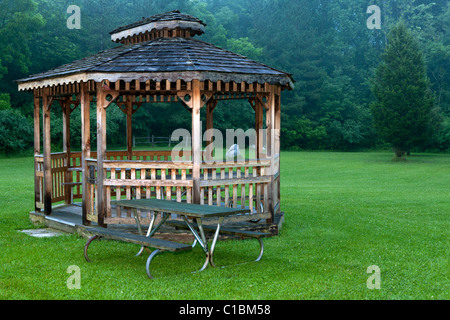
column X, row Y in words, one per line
column 170, row 24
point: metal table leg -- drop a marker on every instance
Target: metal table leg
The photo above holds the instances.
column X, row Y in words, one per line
column 213, row 245
column 86, row 246
column 201, row 239
column 150, row 227
column 151, row 230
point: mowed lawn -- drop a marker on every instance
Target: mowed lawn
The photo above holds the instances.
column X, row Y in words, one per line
column 344, row 212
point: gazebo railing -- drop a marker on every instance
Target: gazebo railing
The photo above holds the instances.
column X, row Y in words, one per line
column 145, row 180
column 240, row 184
column 243, row 184
column 60, row 178
column 137, row 180
column 67, row 175
column 90, row 196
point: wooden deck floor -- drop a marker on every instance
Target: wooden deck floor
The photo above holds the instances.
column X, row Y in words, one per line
column 68, row 218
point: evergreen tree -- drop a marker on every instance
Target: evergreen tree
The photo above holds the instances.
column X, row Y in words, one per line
column 403, row 101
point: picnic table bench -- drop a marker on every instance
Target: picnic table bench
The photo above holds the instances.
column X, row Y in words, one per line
column 187, row 211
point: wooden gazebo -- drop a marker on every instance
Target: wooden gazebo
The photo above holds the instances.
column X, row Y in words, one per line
column 158, row 61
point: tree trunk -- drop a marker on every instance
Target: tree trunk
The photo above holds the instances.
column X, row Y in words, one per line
column 399, row 153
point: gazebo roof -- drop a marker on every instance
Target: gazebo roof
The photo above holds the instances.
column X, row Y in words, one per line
column 172, row 19
column 164, row 58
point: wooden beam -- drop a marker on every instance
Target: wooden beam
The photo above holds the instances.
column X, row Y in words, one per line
column 270, row 145
column 66, row 110
column 259, row 128
column 37, row 149
column 186, row 99
column 277, row 194
column 85, row 102
column 196, row 139
column 264, row 99
column 102, row 104
column 210, row 106
column 37, row 127
column 46, row 106
column 104, row 99
column 277, row 119
column 270, row 123
column 129, row 113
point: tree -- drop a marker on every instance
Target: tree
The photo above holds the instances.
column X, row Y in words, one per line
column 403, row 100
column 19, row 21
column 325, row 45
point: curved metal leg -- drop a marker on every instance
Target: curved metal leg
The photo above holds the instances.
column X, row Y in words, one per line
column 149, row 261
column 150, row 227
column 261, row 250
column 86, row 246
column 140, row 252
column 213, row 245
column 204, row 265
column 211, row 260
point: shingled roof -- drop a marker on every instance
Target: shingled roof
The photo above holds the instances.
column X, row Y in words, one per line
column 160, row 59
column 167, row 16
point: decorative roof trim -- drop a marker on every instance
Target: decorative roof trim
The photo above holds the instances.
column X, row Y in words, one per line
column 282, row 80
column 158, row 25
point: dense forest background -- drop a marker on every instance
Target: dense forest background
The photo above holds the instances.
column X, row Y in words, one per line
column 325, row 44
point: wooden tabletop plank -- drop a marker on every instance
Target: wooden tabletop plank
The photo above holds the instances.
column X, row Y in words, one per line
column 182, row 208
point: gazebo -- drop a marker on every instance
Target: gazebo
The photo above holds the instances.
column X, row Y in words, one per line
column 158, row 61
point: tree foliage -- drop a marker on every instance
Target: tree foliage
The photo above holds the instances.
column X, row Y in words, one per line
column 402, row 110
column 325, row 45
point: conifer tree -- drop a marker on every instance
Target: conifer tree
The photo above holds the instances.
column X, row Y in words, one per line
column 403, row 100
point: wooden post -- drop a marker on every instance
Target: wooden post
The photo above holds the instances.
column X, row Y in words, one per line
column 278, row 144
column 129, row 113
column 101, row 154
column 277, row 121
column 102, row 103
column 258, row 128
column 196, row 140
column 209, row 126
column 48, row 185
column 270, row 123
column 65, row 104
column 270, row 146
column 85, row 103
column 66, row 125
column 37, row 149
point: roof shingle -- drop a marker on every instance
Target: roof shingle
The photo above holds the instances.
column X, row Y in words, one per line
column 169, row 55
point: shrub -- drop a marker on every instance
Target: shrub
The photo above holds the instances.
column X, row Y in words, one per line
column 16, row 132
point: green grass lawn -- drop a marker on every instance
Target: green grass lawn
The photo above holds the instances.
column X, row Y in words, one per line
column 344, row 212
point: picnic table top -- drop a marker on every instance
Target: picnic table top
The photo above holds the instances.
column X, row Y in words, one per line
column 182, row 208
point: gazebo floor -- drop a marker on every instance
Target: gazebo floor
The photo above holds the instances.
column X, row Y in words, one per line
column 67, row 218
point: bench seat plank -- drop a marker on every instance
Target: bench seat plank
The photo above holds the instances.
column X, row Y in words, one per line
column 140, row 240
column 244, row 233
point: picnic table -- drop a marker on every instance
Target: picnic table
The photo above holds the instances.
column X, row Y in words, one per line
column 187, row 211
